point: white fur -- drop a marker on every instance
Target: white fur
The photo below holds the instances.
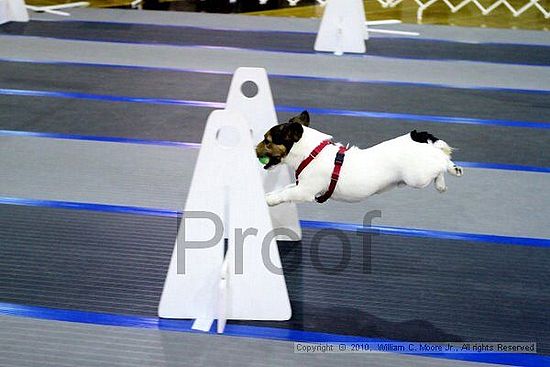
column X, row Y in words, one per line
column 365, row 172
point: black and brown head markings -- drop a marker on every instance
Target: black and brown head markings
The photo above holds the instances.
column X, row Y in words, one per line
column 280, row 138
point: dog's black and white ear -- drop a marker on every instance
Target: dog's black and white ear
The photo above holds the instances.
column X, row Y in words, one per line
column 302, row 118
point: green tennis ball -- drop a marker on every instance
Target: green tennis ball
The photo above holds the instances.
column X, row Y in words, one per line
column 264, row 160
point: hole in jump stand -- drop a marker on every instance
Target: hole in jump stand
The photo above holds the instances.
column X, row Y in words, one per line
column 228, row 136
column 249, row 89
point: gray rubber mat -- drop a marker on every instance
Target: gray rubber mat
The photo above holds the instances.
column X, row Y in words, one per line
column 398, row 288
column 507, row 203
column 131, row 120
column 279, row 41
column 509, row 145
column 308, row 93
column 27, row 343
column 408, row 288
column 246, row 22
column 461, row 74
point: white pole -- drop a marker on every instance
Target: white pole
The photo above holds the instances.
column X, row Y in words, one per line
column 387, row 31
column 43, row 9
column 382, row 22
column 54, row 9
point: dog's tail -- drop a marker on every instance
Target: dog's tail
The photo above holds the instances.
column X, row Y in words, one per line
column 427, row 138
column 446, row 148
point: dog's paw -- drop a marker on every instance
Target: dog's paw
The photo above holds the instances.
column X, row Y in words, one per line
column 456, row 171
column 441, row 188
column 272, row 199
column 439, row 183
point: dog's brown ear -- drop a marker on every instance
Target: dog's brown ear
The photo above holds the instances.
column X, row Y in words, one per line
column 294, row 132
column 302, row 118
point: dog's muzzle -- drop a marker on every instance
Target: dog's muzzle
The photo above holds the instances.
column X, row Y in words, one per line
column 273, row 161
column 262, row 151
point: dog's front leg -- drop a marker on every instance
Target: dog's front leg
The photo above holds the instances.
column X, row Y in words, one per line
column 295, row 193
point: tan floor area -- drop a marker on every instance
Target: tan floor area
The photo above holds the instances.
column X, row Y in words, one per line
column 439, row 13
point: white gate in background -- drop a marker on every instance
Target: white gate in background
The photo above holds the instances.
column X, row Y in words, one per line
column 454, row 8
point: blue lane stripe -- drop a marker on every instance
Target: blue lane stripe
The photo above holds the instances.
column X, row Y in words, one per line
column 109, row 98
column 427, row 233
column 502, row 166
column 109, row 139
column 186, row 145
column 348, row 227
column 291, row 109
column 90, row 207
column 283, row 76
column 290, row 335
column 414, row 117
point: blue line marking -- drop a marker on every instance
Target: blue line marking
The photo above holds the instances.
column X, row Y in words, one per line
column 244, row 331
column 109, row 139
column 106, row 208
column 292, row 109
column 109, row 98
column 348, row 227
column 186, row 145
column 427, row 233
column 502, row 166
column 283, row 76
column 414, row 117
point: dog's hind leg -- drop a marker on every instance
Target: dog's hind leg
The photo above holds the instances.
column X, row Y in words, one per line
column 439, row 183
column 454, row 170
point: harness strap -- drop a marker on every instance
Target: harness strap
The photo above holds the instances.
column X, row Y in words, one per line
column 338, row 161
column 311, row 157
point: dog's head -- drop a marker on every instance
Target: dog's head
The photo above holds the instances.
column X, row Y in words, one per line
column 280, row 138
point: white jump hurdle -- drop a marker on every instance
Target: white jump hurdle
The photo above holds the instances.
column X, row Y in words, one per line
column 225, row 264
column 16, row 10
column 226, row 201
column 13, row 11
column 259, row 111
column 344, row 27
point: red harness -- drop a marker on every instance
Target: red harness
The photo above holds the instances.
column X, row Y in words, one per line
column 338, row 161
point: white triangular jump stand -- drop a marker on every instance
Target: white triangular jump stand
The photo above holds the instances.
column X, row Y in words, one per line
column 259, row 111
column 13, row 11
column 343, row 28
column 226, row 183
